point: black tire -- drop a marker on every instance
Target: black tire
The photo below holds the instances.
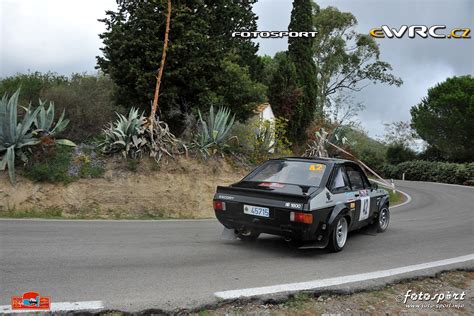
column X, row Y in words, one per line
column 383, row 219
column 338, row 235
column 247, row 235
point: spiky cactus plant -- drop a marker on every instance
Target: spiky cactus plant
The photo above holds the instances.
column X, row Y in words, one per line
column 214, row 133
column 14, row 136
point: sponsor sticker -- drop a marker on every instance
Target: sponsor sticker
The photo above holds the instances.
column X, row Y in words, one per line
column 350, row 196
column 316, row 167
column 272, row 185
column 294, row 205
column 225, row 197
column 31, row 300
column 364, row 208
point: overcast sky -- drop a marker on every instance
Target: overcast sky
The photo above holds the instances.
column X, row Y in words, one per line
column 61, row 36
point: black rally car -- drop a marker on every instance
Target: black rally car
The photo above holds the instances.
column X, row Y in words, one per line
column 312, row 201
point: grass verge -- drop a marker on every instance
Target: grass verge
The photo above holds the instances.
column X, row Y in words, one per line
column 395, row 197
column 81, row 214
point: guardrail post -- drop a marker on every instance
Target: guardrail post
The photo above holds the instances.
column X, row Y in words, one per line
column 393, row 185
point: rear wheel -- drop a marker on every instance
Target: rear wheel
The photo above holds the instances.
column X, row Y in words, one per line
column 247, row 235
column 338, row 236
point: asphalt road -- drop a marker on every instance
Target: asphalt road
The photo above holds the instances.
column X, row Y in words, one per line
column 181, row 264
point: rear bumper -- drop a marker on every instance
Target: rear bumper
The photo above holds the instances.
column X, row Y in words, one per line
column 316, row 233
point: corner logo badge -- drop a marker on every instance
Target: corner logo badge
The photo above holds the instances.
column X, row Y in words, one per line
column 30, row 301
column 423, row 31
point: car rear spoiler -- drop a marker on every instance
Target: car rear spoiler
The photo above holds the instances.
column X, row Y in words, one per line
column 301, row 198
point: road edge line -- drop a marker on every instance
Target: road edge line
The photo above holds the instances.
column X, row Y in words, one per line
column 107, row 220
column 57, row 307
column 408, row 199
column 324, row 283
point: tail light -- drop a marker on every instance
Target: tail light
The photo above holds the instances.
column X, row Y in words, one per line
column 219, row 205
column 301, row 217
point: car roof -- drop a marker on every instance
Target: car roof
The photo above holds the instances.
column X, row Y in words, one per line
column 318, row 159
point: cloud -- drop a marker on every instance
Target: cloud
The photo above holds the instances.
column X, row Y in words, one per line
column 51, row 35
column 62, row 36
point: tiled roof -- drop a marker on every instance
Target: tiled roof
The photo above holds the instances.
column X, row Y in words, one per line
column 260, row 108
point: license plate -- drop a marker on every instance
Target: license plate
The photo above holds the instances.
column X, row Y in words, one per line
column 257, row 210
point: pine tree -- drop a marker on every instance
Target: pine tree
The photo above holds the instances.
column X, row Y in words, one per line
column 300, row 51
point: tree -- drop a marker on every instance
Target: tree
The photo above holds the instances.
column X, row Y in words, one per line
column 398, row 153
column 285, row 95
column 345, row 60
column 300, row 53
column 444, row 118
column 247, row 93
column 401, row 133
column 199, row 41
column 343, row 111
column 371, row 151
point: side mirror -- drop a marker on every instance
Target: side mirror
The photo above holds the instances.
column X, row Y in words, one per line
column 374, row 186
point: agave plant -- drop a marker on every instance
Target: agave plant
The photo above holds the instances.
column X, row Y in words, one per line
column 162, row 141
column 132, row 137
column 265, row 138
column 46, row 129
column 214, row 134
column 317, row 148
column 45, row 120
column 125, row 135
column 14, row 136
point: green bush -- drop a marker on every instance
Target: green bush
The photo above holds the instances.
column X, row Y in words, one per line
column 51, row 166
column 87, row 99
column 64, row 164
column 421, row 170
column 31, row 84
column 261, row 140
column 88, row 103
column 398, row 153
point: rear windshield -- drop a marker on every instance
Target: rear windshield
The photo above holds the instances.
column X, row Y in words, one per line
column 289, row 172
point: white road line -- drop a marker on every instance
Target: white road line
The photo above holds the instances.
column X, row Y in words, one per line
column 109, row 220
column 59, row 307
column 440, row 183
column 408, row 200
column 324, row 283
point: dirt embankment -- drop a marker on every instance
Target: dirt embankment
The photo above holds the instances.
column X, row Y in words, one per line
column 178, row 189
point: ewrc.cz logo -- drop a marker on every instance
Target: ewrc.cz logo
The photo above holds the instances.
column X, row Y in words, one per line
column 274, row 34
column 423, row 31
column 30, row 301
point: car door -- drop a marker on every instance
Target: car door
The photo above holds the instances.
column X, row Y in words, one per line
column 374, row 196
column 341, row 189
column 360, row 188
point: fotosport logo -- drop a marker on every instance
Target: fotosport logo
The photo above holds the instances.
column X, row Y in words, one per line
column 422, row 31
column 274, row 34
column 441, row 300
